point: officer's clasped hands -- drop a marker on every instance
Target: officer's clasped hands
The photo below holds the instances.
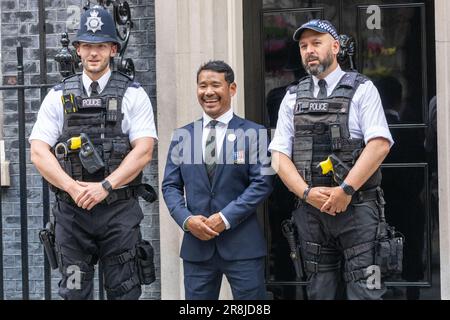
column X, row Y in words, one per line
column 92, row 194
column 337, row 202
column 318, row 196
column 329, row 200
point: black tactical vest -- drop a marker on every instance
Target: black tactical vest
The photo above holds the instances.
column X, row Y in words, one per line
column 100, row 118
column 321, row 129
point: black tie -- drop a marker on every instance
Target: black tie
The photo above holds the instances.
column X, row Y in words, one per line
column 94, row 89
column 210, row 150
column 323, row 89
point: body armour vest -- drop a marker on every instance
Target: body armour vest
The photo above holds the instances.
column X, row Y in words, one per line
column 321, row 130
column 100, row 118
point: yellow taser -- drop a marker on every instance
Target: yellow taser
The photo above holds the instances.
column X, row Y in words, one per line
column 327, row 166
column 74, row 143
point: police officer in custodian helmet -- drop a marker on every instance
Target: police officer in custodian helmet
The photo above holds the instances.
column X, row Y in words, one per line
column 93, row 136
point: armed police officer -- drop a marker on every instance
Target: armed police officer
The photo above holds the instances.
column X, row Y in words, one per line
column 333, row 120
column 93, row 136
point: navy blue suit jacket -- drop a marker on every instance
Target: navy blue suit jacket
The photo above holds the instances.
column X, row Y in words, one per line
column 239, row 186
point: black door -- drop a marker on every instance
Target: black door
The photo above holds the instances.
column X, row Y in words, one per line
column 395, row 48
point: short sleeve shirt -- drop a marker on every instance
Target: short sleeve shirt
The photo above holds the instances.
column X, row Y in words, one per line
column 367, row 120
column 138, row 121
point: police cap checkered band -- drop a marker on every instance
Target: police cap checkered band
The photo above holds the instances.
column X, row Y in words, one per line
column 322, row 26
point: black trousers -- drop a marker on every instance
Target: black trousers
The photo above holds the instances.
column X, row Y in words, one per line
column 83, row 237
column 346, row 230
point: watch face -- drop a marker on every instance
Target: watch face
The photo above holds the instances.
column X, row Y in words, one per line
column 348, row 190
column 106, row 185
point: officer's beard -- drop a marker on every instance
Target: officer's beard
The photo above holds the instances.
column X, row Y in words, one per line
column 320, row 68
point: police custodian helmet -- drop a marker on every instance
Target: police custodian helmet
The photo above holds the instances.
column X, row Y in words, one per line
column 96, row 26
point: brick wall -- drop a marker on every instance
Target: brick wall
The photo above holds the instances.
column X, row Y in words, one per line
column 19, row 22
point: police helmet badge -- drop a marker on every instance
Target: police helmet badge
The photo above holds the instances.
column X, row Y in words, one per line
column 94, row 22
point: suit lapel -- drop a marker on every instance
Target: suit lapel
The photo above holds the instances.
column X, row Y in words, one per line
column 197, row 151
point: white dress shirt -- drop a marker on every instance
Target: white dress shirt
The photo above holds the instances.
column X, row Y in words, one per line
column 366, row 116
column 221, row 129
column 138, row 121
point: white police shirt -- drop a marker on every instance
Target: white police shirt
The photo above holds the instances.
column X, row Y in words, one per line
column 138, row 121
column 366, row 116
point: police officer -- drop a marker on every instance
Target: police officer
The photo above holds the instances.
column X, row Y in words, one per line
column 338, row 114
column 96, row 177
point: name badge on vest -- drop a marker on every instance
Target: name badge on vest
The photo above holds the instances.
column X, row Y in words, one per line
column 318, row 106
column 91, row 103
column 312, row 107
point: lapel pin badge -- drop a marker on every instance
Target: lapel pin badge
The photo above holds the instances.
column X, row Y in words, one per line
column 232, row 137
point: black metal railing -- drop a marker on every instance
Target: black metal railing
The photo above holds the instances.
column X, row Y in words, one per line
column 20, row 88
column 45, row 187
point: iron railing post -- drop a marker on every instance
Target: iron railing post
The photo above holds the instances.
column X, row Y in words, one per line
column 45, row 190
column 23, row 175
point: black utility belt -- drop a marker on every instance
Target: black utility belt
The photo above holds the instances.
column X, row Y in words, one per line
column 114, row 196
column 365, row 196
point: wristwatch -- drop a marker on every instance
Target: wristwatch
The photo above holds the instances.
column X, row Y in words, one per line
column 107, row 185
column 306, row 193
column 348, row 189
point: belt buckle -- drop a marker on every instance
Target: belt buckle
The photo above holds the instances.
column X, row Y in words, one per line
column 316, row 246
column 312, row 266
column 360, row 196
column 112, row 197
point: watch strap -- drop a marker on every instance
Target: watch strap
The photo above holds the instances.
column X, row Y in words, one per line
column 107, row 185
column 348, row 189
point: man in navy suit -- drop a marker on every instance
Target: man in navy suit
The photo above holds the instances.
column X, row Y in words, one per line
column 215, row 178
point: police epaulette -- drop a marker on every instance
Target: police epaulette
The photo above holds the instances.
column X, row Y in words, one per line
column 135, row 85
column 124, row 74
column 362, row 78
column 292, row 88
column 348, row 80
column 352, row 80
column 71, row 76
column 59, row 87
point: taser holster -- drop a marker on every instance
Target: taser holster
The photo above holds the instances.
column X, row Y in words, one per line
column 146, row 267
column 389, row 244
